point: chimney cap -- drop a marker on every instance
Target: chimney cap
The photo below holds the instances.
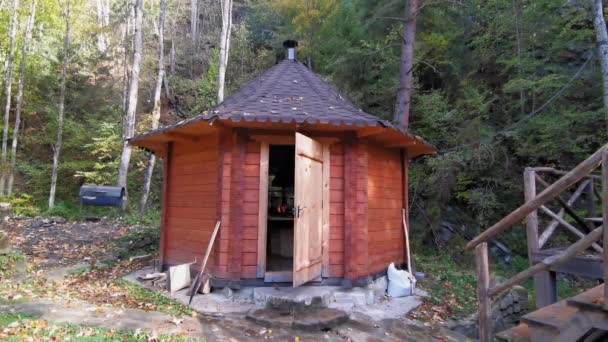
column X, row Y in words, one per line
column 290, row 43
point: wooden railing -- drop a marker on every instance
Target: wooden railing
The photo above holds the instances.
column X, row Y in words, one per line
column 586, row 232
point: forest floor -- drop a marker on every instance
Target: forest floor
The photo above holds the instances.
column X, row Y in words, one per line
column 64, row 280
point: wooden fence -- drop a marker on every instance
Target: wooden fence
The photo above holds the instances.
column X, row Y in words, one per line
column 583, row 228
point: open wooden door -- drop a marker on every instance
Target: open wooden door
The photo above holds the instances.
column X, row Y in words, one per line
column 308, row 198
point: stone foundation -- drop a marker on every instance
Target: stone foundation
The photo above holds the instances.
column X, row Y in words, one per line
column 507, row 309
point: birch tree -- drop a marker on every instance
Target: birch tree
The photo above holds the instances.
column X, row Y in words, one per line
column 129, row 119
column 602, row 46
column 224, row 47
column 103, row 18
column 59, row 141
column 401, row 116
column 156, row 111
column 8, row 79
column 19, row 100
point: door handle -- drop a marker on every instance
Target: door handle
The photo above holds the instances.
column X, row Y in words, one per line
column 299, row 210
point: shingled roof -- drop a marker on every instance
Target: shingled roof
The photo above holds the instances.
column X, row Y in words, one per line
column 290, row 92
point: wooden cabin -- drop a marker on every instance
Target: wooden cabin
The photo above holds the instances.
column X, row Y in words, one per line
column 307, row 186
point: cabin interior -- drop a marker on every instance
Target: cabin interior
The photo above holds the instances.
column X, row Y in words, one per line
column 280, row 219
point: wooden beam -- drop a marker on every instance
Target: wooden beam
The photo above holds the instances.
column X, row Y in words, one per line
column 274, row 139
column 549, row 262
column 183, row 136
column 165, row 204
column 549, row 193
column 605, row 220
column 591, row 210
column 401, row 145
column 544, row 237
column 236, row 202
column 326, row 216
column 262, row 210
column 569, row 226
column 561, row 172
column 349, row 210
column 483, row 299
column 568, row 209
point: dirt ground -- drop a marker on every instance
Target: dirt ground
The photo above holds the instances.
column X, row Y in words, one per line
column 83, row 256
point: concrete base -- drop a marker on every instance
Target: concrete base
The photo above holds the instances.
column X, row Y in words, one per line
column 369, row 300
column 310, row 320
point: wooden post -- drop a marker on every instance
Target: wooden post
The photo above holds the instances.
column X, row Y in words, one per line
column 483, row 284
column 605, row 219
column 544, row 282
column 262, row 209
column 591, row 212
column 165, row 205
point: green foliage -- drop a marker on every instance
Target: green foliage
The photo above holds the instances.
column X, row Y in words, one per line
column 105, row 148
column 7, row 262
column 22, row 204
column 67, row 209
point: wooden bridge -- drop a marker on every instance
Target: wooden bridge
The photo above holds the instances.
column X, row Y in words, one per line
column 573, row 318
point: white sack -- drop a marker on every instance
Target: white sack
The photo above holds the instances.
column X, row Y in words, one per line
column 401, row 283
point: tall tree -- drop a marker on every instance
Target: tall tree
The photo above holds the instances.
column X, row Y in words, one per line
column 224, row 47
column 401, row 115
column 156, row 111
column 602, row 45
column 8, row 79
column 19, row 100
column 103, row 18
column 59, row 141
column 129, row 118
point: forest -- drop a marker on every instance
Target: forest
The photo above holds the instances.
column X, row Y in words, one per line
column 498, row 85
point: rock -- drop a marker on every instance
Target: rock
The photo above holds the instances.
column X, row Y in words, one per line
column 307, row 319
column 36, row 224
column 228, row 292
column 58, row 220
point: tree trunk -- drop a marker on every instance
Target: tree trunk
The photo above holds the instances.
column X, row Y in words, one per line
column 7, row 92
column 401, row 116
column 156, row 111
column 101, row 18
column 129, row 119
column 602, row 45
column 64, row 69
column 224, row 47
column 19, row 102
column 193, row 32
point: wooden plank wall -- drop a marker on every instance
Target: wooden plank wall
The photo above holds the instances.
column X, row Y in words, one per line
column 191, row 200
column 336, row 211
column 251, row 200
column 385, row 200
column 355, row 210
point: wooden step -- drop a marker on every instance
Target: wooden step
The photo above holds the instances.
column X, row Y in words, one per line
column 592, row 299
column 518, row 333
column 554, row 316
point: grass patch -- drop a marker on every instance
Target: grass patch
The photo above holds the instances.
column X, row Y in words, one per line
column 7, row 262
column 19, row 327
column 451, row 285
column 156, row 299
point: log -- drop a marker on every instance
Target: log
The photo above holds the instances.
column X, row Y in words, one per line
column 568, row 209
column 483, row 299
column 569, row 227
column 549, row 262
column 544, row 237
column 549, row 193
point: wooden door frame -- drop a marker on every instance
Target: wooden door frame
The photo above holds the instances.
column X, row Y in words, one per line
column 263, row 206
